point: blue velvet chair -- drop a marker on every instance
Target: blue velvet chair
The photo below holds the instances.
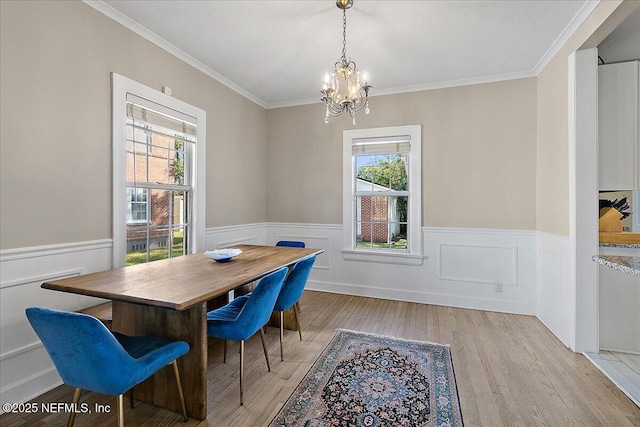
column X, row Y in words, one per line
column 292, row 292
column 290, row 243
column 246, row 315
column 88, row 356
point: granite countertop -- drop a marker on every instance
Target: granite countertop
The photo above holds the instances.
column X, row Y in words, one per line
column 627, row 264
column 620, row 245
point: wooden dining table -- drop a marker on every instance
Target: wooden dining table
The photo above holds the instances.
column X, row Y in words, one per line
column 170, row 298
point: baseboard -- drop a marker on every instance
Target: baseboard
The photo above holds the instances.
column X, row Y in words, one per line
column 560, row 330
column 31, row 386
column 617, row 350
column 423, row 297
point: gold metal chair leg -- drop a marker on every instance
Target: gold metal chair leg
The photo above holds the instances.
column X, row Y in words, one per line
column 264, row 347
column 241, row 372
column 120, row 410
column 281, row 334
column 298, row 307
column 224, row 356
column 295, row 316
column 72, row 414
column 180, row 393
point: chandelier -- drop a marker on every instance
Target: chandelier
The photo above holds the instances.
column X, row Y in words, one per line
column 342, row 88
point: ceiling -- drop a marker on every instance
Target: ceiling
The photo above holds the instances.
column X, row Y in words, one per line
column 277, row 52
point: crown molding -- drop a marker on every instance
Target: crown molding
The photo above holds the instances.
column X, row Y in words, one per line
column 417, row 88
column 564, row 36
column 144, row 32
column 127, row 22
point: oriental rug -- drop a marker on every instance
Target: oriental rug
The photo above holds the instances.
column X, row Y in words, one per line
column 371, row 380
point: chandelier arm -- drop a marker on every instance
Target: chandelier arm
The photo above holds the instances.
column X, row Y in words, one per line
column 335, row 110
column 357, row 106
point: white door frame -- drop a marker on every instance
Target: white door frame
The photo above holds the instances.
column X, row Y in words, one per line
column 583, row 191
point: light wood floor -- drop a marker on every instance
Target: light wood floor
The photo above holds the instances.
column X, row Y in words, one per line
column 510, row 370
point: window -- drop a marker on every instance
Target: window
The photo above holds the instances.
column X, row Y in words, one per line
column 158, row 175
column 382, row 203
column 137, row 205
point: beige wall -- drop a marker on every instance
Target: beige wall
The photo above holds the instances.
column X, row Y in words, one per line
column 478, row 145
column 55, row 124
column 553, row 123
column 494, row 155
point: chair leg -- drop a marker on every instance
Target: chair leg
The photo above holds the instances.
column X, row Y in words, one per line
column 72, row 414
column 120, row 411
column 295, row 316
column 180, row 393
column 241, row 372
column 264, row 347
column 281, row 334
column 224, row 355
column 298, row 307
column 131, row 401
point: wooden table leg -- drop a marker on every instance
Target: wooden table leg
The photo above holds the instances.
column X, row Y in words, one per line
column 187, row 325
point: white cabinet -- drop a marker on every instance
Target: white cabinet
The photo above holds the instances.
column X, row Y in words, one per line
column 619, row 305
column 619, row 322
column 618, row 121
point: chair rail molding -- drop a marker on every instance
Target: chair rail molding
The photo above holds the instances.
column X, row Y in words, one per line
column 48, row 250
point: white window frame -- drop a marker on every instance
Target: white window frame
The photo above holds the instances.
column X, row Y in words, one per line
column 120, row 87
column 413, row 255
column 130, row 220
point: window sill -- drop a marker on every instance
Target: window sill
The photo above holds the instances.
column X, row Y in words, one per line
column 382, row 257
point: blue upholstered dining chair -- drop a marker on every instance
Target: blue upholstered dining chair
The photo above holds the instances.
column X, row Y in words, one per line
column 88, row 356
column 244, row 316
column 292, row 292
column 291, row 243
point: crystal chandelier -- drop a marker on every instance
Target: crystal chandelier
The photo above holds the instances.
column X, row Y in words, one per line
column 342, row 88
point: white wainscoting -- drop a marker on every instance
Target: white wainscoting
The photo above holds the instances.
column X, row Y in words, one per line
column 472, row 265
column 461, row 268
column 556, row 293
column 225, row 237
column 26, row 370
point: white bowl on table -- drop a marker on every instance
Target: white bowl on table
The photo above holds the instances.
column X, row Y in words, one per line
column 223, row 255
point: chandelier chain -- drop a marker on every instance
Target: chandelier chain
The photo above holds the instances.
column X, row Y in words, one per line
column 344, row 36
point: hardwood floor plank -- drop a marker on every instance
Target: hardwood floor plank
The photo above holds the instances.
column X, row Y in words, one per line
column 510, row 370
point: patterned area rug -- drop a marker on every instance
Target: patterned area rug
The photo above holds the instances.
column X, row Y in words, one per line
column 371, row 380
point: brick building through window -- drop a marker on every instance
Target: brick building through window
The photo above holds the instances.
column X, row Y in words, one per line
column 376, row 216
column 152, row 161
